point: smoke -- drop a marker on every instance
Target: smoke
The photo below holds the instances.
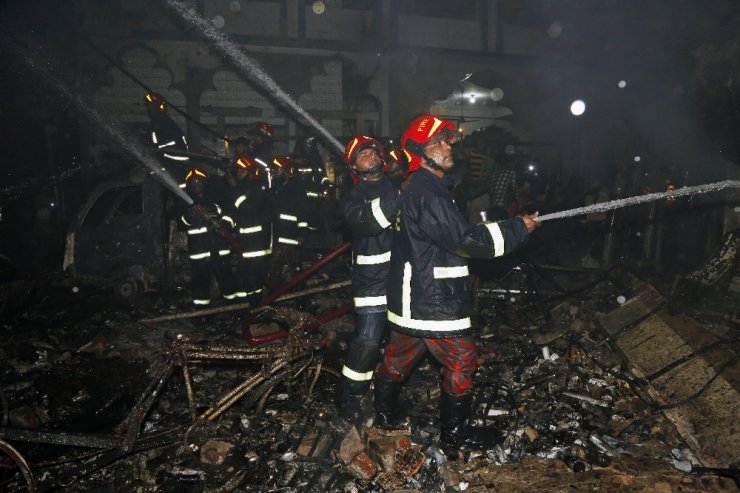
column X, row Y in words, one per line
column 117, row 135
column 248, row 67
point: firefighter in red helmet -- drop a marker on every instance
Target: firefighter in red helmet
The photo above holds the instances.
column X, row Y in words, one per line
column 429, row 299
column 251, row 205
column 369, row 210
column 288, row 217
column 209, row 251
column 166, row 137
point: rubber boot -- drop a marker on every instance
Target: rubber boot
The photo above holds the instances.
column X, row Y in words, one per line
column 455, row 412
column 386, row 403
column 349, row 399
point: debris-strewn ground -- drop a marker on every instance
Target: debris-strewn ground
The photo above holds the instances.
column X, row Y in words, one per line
column 574, row 417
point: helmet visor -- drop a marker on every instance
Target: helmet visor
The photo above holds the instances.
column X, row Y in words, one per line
column 447, row 134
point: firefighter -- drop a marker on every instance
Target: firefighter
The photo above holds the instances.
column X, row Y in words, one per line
column 251, row 206
column 368, row 210
column 309, row 167
column 208, row 247
column 261, row 140
column 398, row 167
column 429, row 299
column 288, row 217
column 167, row 138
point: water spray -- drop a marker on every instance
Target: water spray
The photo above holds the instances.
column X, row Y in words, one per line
column 248, row 67
column 641, row 199
column 115, row 134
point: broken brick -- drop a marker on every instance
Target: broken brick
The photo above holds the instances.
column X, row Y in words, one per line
column 363, row 466
column 408, row 461
column 383, row 449
column 351, row 446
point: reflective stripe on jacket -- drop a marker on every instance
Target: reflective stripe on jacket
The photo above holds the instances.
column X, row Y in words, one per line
column 428, row 291
column 369, row 209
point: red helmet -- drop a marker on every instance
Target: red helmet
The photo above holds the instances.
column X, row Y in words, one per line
column 284, row 164
column 156, row 100
column 266, row 129
column 421, row 132
column 397, row 162
column 354, row 146
column 195, row 173
column 250, row 165
column 245, row 162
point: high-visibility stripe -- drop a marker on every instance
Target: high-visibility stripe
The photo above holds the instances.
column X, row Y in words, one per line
column 181, row 185
column 450, row 272
column 357, row 376
column 168, row 144
column 238, row 201
column 433, row 128
column 430, row 325
column 261, row 163
column 498, row 238
column 288, row 217
column 176, row 158
column 406, row 291
column 254, row 292
column 218, row 208
column 199, row 256
column 228, row 220
column 201, row 302
column 241, row 294
column 184, row 141
column 249, row 230
column 370, row 301
column 154, row 138
column 198, row 231
column 378, row 213
column 229, row 296
column 185, row 221
column 305, row 170
column 312, row 194
column 380, row 258
column 224, row 252
column 287, row 241
column 302, row 224
column 257, row 253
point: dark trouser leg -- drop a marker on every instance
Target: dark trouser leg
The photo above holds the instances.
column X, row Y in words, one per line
column 251, row 278
column 360, row 361
column 401, row 356
column 221, row 265
column 200, row 280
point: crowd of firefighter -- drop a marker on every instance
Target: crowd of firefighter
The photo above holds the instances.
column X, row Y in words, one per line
column 410, row 249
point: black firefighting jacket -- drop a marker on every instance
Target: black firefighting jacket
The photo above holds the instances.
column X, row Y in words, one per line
column 203, row 239
column 428, row 291
column 252, row 210
column 369, row 209
column 289, row 211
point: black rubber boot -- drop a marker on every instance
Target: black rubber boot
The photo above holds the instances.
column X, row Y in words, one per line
column 349, row 398
column 455, row 412
column 386, row 400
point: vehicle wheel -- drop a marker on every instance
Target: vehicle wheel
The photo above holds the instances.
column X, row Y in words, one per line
column 127, row 288
column 10, row 459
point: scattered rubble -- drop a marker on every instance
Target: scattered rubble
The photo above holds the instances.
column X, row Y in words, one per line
column 555, row 376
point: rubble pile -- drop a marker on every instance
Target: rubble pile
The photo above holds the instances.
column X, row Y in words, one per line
column 572, row 415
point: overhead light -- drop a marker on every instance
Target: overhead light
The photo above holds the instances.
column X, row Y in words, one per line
column 577, row 107
column 318, row 7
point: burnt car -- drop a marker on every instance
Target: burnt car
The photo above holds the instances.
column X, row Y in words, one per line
column 122, row 238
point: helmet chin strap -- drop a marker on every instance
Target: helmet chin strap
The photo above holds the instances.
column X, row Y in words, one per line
column 376, row 169
column 432, row 163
